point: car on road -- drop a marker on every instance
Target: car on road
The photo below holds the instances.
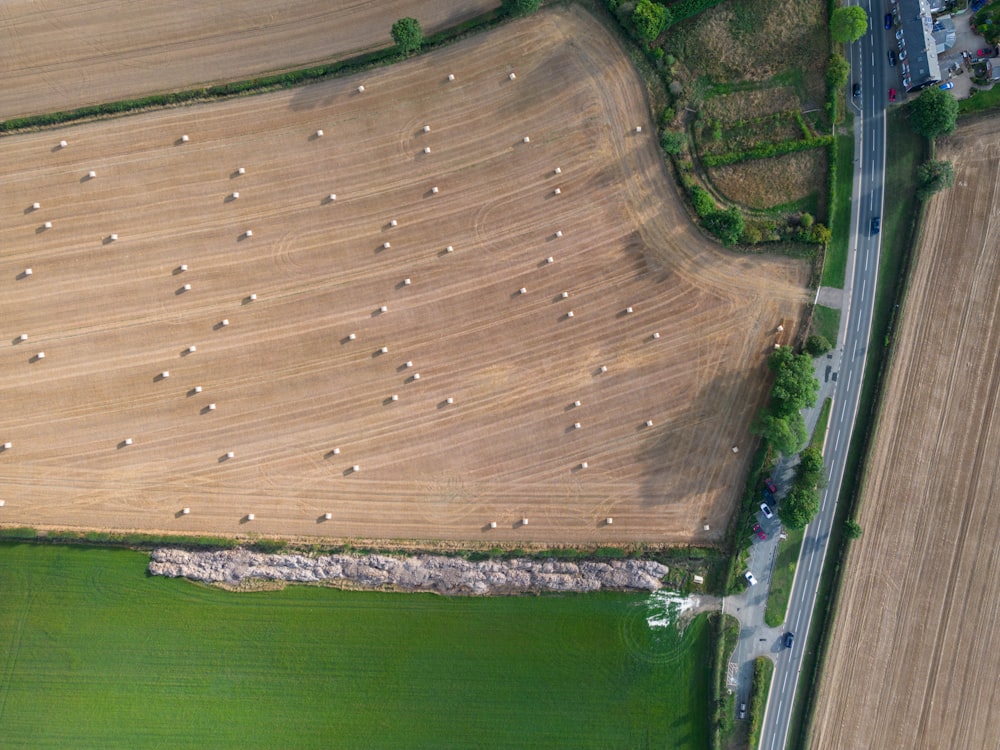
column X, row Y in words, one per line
column 876, row 224
column 743, row 711
column 750, row 579
column 759, row 532
column 892, row 57
column 888, row 21
column 856, row 90
column 985, row 52
column 766, row 511
column 771, row 487
column 892, row 95
column 788, row 640
column 946, row 86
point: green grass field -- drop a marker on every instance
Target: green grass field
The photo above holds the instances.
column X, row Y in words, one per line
column 95, row 653
column 835, row 260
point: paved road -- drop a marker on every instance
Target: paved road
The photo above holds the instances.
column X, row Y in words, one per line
column 870, row 67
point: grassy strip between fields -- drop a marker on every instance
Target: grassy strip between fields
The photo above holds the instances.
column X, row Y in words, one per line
column 783, row 575
column 826, row 323
column 835, row 260
column 258, row 85
column 980, row 101
column 763, row 671
column 901, row 220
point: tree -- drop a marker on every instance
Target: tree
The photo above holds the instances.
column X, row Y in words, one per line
column 837, row 71
column 809, row 473
column 934, row 113
column 848, row 24
column 649, row 19
column 817, row 345
column 821, row 234
column 727, row 225
column 933, row 177
column 795, row 385
column 520, row 7
column 786, row 433
column 799, row 507
column 673, row 142
column 408, row 35
column 853, row 529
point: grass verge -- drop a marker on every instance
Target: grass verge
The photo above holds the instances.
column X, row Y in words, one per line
column 826, row 322
column 819, row 431
column 727, row 636
column 900, row 229
column 763, row 670
column 95, row 649
column 835, row 260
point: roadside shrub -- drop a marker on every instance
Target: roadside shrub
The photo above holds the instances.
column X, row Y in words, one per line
column 673, row 142
column 933, row 177
column 520, row 7
column 649, row 19
column 727, row 225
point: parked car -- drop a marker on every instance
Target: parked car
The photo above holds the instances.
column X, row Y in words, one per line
column 759, row 532
column 856, row 90
column 771, row 487
column 789, row 639
column 888, row 21
column 743, row 711
column 876, row 224
column 892, row 95
column 750, row 579
column 985, row 52
column 892, row 57
column 947, row 85
column 766, row 511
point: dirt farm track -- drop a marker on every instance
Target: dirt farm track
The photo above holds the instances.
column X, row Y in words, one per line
column 298, row 401
column 60, row 54
column 913, row 659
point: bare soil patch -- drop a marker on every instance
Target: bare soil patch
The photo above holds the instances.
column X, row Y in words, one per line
column 57, row 55
column 291, row 386
column 913, row 656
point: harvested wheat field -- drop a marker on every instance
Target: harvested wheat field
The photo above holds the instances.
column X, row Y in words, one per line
column 61, row 54
column 913, row 657
column 302, row 389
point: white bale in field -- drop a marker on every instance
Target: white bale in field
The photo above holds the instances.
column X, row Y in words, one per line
column 186, row 287
column 355, row 468
column 564, row 295
column 656, row 335
column 336, row 451
column 522, row 290
column 383, row 309
column 63, row 144
column 91, row 174
column 196, row 389
column 23, row 337
column 113, row 237
column 524, row 521
column 427, row 149
column 7, row 446
column 230, row 454
column 408, row 364
column 211, row 407
column 327, row 516
column 449, row 400
column 576, row 425
column 628, row 310
column 235, row 194
column 252, row 297
column 35, row 206
column 191, row 349
column 319, row 133
column 427, row 128
column 416, row 376
column 577, row 403
column 27, row 272
column 352, row 336
column 706, row 527
column 584, row 465
column 182, row 267
column 248, row 233
column 649, row 423
column 185, row 511
column 609, row 520
column 250, row 516
column 434, row 190
column 332, row 197
column 127, row 441
column 451, row 76
column 781, row 328
column 570, row 314
column 449, row 249
column 384, row 350
column 184, row 139
column 393, row 223
column 526, row 139
column 40, row 355
column 386, row 245
column 361, row 89
column 558, row 233
column 557, row 170
column 493, row 524
column 165, row 374
column 512, row 76
column 48, row 225
column 241, row 170
column 550, row 259
column 638, row 128
column 736, row 449
column 604, row 368
column 557, row 191
column 224, row 322
column 394, row 397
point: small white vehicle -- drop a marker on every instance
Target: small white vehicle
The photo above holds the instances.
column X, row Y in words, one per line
column 750, row 579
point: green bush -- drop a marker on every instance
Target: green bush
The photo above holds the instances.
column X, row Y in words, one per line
column 520, row 7
column 766, row 150
column 649, row 19
column 673, row 141
column 408, row 35
column 727, row 225
column 703, row 202
column 817, row 345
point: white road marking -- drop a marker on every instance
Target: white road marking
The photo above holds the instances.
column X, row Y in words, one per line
column 866, row 261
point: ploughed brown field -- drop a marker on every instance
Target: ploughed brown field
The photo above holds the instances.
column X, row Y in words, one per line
column 289, row 384
column 61, row 54
column 913, row 657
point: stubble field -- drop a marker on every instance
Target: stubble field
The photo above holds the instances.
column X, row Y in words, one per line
column 62, row 54
column 913, row 657
column 299, row 402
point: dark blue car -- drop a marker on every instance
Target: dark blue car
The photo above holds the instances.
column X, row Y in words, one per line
column 888, row 21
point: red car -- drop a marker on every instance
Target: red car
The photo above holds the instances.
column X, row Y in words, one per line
column 985, row 52
column 759, row 532
column 892, row 95
column 769, row 483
